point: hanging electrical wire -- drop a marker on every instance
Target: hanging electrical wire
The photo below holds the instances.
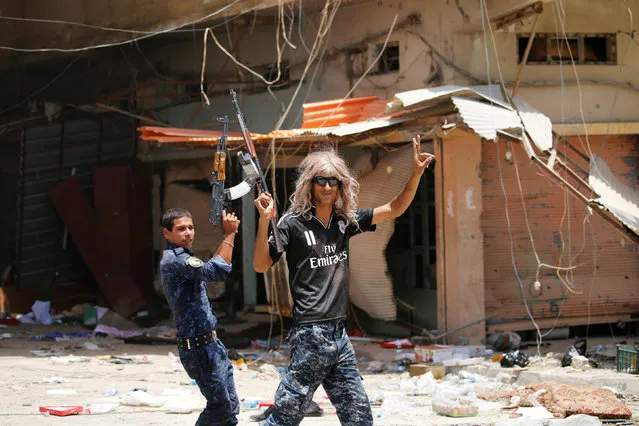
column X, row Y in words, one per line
column 278, row 48
column 539, row 336
column 370, row 67
column 562, row 22
column 119, row 43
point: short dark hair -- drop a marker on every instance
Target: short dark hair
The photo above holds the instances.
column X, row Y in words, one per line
column 171, row 214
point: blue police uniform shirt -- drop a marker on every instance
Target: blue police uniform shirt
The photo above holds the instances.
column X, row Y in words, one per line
column 184, row 283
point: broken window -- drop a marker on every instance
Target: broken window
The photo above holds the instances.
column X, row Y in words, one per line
column 584, row 49
column 389, row 60
column 564, row 49
column 359, row 59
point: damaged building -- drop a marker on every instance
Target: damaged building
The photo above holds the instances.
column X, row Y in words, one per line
column 528, row 220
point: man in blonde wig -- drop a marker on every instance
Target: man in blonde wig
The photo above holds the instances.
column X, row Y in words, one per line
column 314, row 233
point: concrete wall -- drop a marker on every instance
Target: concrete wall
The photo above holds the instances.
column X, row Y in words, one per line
column 453, row 29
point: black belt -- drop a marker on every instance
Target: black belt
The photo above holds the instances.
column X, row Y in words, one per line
column 194, row 342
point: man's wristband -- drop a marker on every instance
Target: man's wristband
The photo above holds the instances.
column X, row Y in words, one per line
column 229, row 243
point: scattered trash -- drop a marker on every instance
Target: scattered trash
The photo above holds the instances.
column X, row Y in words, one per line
column 376, row 367
column 268, row 371
column 55, row 379
column 522, row 421
column 433, row 353
column 106, row 330
column 250, row 403
column 577, row 349
column 397, row 367
column 426, row 384
column 110, row 391
column 504, row 341
column 62, row 392
column 91, row 346
column 395, row 402
column 183, row 405
column 398, row 344
column 176, row 392
column 138, row 398
column 577, row 420
column 62, row 337
column 68, row 410
column 40, row 314
column 70, row 359
column 534, row 413
column 98, row 408
column 580, row 363
column 45, row 352
column 454, row 405
column 122, row 359
column 437, row 370
column 61, row 410
column 471, row 351
column 514, row 358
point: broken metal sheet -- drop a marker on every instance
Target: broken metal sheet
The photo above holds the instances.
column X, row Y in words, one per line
column 371, row 288
column 98, row 251
column 433, row 95
column 361, row 126
column 537, row 125
column 615, row 196
column 485, row 119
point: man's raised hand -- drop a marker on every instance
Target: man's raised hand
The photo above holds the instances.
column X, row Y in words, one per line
column 264, row 204
column 421, row 160
column 230, row 223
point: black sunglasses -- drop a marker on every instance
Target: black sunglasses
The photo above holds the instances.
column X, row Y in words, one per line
column 321, row 180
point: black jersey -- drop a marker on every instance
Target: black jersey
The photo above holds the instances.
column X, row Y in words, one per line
column 317, row 257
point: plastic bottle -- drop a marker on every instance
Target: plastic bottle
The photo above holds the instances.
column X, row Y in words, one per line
column 250, row 403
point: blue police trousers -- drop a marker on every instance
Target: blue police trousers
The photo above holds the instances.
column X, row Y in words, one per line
column 321, row 353
column 210, row 367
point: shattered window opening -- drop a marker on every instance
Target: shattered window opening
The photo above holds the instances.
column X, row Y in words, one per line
column 586, row 49
column 389, row 60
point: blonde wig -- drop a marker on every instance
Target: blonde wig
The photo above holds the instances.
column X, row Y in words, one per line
column 329, row 164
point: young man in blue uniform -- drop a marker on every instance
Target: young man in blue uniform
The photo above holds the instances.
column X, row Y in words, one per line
column 184, row 278
column 315, row 234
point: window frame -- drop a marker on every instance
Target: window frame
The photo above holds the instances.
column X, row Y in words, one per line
column 611, row 48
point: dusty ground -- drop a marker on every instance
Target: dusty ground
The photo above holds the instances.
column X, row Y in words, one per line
column 92, row 380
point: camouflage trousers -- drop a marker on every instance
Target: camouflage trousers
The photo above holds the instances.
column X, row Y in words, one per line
column 210, row 367
column 321, row 353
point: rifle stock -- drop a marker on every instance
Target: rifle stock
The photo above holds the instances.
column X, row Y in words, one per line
column 218, row 177
column 261, row 180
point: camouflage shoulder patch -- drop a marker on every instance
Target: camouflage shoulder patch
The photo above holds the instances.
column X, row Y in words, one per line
column 194, row 262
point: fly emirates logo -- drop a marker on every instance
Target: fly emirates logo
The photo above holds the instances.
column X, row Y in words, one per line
column 329, row 258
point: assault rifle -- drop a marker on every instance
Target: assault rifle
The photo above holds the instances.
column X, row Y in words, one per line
column 220, row 197
column 251, row 157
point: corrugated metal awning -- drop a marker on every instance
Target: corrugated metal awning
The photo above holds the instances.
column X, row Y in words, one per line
column 618, row 198
column 538, row 126
column 486, row 119
column 482, row 108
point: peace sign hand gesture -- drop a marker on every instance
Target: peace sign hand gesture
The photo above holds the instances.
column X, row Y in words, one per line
column 421, row 160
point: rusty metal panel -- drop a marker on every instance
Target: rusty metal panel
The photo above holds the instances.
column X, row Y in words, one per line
column 98, row 253
column 601, row 288
column 112, row 209
column 371, row 288
column 50, row 153
column 141, row 229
